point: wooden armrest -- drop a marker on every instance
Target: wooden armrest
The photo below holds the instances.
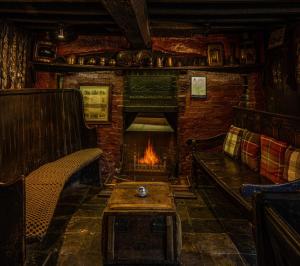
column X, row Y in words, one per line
column 11, row 182
column 248, row 190
column 208, row 143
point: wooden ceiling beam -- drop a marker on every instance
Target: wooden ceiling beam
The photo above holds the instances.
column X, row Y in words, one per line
column 34, row 11
column 168, row 21
column 225, row 12
column 131, row 16
column 66, row 21
column 220, row 2
column 50, row 1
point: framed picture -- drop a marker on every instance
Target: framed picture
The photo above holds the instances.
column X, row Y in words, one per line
column 96, row 100
column 198, row 87
column 215, row 54
column 44, row 52
column 276, row 38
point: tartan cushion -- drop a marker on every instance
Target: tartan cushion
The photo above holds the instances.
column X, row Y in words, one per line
column 272, row 158
column 292, row 164
column 250, row 149
column 232, row 143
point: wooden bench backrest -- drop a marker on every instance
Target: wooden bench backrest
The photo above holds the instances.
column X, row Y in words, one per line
column 282, row 127
column 38, row 126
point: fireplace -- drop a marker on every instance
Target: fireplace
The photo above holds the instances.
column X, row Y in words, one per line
column 149, row 149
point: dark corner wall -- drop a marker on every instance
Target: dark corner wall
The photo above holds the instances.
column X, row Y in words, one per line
column 282, row 73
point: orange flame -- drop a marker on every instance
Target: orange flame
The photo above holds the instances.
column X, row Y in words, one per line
column 150, row 156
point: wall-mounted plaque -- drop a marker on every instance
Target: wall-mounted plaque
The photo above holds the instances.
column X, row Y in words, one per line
column 198, row 87
column 96, row 99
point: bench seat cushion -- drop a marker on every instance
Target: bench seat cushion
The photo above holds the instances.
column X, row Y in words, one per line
column 230, row 174
column 44, row 185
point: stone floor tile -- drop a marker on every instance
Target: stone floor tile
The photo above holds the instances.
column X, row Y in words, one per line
column 244, row 243
column 206, row 226
column 89, row 211
column 191, row 259
column 65, row 210
column 183, row 213
column 237, row 226
column 78, row 224
column 215, row 244
column 58, row 225
column 75, row 242
column 188, row 243
column 222, row 260
column 72, row 199
column 36, row 258
column 95, row 199
column 250, row 260
column 200, row 212
column 196, row 202
column 227, row 212
column 79, row 259
column 186, row 227
column 179, row 202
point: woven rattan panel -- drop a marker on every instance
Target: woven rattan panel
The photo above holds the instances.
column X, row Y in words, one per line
column 44, row 185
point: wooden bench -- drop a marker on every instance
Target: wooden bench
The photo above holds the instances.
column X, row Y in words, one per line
column 232, row 177
column 43, row 142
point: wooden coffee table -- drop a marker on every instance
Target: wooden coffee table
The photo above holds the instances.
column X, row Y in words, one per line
column 139, row 230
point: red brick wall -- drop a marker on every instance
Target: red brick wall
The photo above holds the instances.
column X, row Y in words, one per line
column 202, row 118
column 110, row 136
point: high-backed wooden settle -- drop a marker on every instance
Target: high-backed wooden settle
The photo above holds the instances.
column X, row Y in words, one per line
column 36, row 127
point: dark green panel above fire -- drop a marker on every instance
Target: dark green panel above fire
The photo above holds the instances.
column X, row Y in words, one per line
column 150, row 90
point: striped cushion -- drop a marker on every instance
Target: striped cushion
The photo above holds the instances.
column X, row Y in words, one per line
column 232, row 143
column 272, row 158
column 250, row 149
column 292, row 164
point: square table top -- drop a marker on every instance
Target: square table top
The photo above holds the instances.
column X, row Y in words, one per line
column 125, row 197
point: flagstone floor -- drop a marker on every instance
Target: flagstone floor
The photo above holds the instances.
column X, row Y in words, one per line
column 213, row 231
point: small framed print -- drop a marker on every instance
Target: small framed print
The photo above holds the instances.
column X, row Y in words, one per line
column 45, row 52
column 96, row 100
column 198, row 87
column 276, row 38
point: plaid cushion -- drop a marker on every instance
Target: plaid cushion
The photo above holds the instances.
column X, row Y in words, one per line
column 272, row 158
column 250, row 149
column 232, row 143
column 292, row 164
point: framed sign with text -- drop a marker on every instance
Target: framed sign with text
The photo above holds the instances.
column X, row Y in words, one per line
column 96, row 100
column 198, row 87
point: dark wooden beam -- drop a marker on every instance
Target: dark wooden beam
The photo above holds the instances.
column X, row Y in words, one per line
column 132, row 18
column 49, row 1
column 274, row 11
column 34, row 11
column 220, row 2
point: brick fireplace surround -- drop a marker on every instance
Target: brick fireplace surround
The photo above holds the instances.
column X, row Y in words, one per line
column 197, row 118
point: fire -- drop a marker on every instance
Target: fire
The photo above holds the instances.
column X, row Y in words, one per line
column 150, row 156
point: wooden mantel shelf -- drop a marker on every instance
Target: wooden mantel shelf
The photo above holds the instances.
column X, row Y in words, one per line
column 55, row 67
